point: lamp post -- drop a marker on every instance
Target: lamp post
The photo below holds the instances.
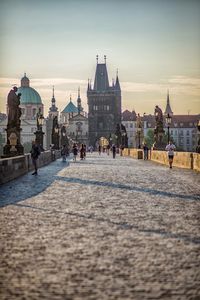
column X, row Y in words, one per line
column 64, row 138
column 56, row 130
column 168, row 121
column 198, row 137
column 39, row 133
column 139, row 133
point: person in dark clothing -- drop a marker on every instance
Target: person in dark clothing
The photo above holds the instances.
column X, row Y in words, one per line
column 99, row 150
column 145, row 151
column 75, row 151
column 82, row 151
column 35, row 152
column 114, row 151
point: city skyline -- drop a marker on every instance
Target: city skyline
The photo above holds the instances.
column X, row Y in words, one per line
column 155, row 45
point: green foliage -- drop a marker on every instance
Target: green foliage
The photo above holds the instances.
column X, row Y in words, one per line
column 149, row 139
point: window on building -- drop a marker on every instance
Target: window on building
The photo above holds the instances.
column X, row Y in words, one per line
column 188, row 141
column 175, row 132
column 188, row 133
column 131, row 125
column 171, row 132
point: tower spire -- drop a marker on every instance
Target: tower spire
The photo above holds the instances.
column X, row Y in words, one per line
column 53, row 92
column 53, row 110
column 79, row 102
column 97, row 58
column 117, row 85
column 105, row 59
column 168, row 109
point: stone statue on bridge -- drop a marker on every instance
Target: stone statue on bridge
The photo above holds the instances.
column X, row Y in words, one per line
column 14, row 111
column 158, row 131
column 13, row 146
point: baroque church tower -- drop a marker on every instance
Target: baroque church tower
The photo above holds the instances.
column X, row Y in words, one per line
column 53, row 110
column 104, row 105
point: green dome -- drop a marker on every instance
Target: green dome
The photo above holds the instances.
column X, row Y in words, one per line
column 29, row 96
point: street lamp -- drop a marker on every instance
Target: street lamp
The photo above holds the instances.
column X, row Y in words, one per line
column 168, row 121
column 39, row 133
column 56, row 130
column 139, row 132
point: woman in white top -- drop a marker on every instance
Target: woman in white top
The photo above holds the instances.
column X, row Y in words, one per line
column 170, row 148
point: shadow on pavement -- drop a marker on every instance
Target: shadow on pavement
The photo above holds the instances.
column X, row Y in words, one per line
column 130, row 188
column 28, row 185
column 121, row 225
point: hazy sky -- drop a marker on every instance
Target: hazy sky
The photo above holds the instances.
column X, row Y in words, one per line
column 155, row 44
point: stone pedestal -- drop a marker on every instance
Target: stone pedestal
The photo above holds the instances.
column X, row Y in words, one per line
column 13, row 146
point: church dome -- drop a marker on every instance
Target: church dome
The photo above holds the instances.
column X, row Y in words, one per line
column 28, row 94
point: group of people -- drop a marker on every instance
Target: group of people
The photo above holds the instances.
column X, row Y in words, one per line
column 106, row 149
column 81, row 150
column 170, row 148
column 36, row 150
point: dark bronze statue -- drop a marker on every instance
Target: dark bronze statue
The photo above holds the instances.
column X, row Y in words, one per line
column 13, row 146
column 158, row 131
column 14, row 111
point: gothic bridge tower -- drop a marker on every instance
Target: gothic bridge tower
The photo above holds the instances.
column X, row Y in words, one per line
column 104, row 105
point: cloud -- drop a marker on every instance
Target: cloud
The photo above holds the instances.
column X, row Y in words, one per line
column 183, row 80
column 43, row 81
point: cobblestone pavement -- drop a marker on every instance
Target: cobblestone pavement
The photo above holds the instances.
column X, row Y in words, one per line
column 101, row 228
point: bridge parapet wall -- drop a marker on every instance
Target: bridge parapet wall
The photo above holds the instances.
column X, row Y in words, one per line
column 185, row 160
column 13, row 167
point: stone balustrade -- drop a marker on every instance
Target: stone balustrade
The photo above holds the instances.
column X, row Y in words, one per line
column 13, row 167
column 186, row 160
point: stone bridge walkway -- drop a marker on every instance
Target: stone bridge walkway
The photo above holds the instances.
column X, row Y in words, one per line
column 101, row 229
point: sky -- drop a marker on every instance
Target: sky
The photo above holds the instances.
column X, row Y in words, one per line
column 154, row 44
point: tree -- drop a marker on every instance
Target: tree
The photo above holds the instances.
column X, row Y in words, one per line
column 149, row 138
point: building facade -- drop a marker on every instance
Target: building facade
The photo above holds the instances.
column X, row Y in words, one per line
column 104, row 105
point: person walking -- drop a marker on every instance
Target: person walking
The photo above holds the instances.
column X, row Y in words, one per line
column 75, row 151
column 82, row 152
column 35, row 152
column 170, row 149
column 114, row 150
column 64, row 153
column 145, row 151
column 99, row 150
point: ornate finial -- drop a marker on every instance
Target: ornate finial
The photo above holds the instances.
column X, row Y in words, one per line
column 24, row 74
column 70, row 98
column 79, row 92
column 53, row 91
column 97, row 57
column 117, row 73
column 105, row 58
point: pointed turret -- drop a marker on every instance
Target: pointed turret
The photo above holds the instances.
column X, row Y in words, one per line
column 168, row 109
column 101, row 82
column 117, row 85
column 53, row 110
column 79, row 102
